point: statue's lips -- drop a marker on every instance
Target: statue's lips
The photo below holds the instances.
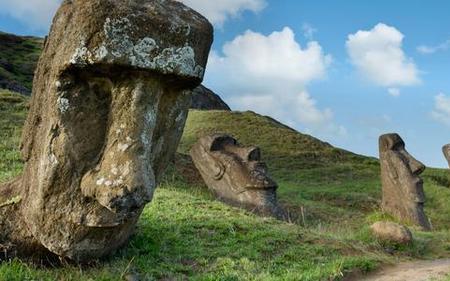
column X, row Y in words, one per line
column 418, row 181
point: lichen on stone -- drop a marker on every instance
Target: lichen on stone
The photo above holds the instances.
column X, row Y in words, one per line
column 82, row 55
column 12, row 201
column 184, row 29
column 143, row 53
column 63, row 105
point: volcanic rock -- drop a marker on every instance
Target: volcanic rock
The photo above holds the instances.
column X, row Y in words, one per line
column 110, row 100
column 403, row 194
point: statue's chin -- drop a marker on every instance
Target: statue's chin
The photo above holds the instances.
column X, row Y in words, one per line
column 102, row 217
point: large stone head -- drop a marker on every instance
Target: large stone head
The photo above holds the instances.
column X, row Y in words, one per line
column 446, row 151
column 403, row 194
column 109, row 104
column 235, row 173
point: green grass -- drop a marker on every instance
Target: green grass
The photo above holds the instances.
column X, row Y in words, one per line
column 447, row 278
column 184, row 233
column 12, row 117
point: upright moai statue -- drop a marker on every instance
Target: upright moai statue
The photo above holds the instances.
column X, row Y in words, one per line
column 110, row 100
column 446, row 151
column 403, row 194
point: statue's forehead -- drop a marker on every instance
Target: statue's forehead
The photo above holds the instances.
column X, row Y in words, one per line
column 397, row 141
column 391, row 142
column 151, row 37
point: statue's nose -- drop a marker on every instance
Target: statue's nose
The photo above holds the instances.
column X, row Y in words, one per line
column 416, row 167
column 124, row 179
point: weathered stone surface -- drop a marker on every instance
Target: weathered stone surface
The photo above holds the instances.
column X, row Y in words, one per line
column 403, row 194
column 446, row 151
column 392, row 232
column 185, row 167
column 205, row 99
column 235, row 174
column 110, row 100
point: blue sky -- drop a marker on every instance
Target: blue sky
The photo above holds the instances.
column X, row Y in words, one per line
column 343, row 71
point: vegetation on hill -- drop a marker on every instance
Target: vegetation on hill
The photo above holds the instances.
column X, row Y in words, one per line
column 13, row 108
column 18, row 59
column 185, row 234
column 313, row 175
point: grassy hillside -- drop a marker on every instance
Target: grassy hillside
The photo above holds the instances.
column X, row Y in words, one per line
column 185, row 234
column 18, row 59
column 312, row 174
column 329, row 184
column 12, row 116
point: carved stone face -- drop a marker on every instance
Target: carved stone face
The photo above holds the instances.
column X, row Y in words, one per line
column 235, row 173
column 110, row 100
column 446, row 151
column 403, row 194
column 120, row 131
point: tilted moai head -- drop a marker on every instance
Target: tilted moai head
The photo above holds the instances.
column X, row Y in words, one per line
column 109, row 104
column 403, row 194
column 235, row 173
column 446, row 151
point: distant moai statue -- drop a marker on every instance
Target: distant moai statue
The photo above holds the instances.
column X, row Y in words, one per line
column 446, row 151
column 403, row 194
column 110, row 100
column 236, row 174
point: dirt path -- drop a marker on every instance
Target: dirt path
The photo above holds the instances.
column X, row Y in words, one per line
column 410, row 271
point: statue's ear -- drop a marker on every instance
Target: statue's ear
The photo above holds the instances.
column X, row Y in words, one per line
column 392, row 169
column 219, row 170
column 214, row 146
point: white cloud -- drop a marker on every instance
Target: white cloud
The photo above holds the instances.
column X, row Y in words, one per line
column 441, row 111
column 308, row 31
column 379, row 56
column 37, row 14
column 395, row 92
column 219, row 11
column 269, row 74
column 254, row 60
column 426, row 50
column 294, row 110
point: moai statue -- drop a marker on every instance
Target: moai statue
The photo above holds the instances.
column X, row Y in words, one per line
column 403, row 194
column 446, row 151
column 236, row 174
column 110, row 99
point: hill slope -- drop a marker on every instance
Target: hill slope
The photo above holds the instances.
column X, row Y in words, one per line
column 186, row 234
column 277, row 141
column 307, row 169
column 18, row 59
column 205, row 99
column 13, row 108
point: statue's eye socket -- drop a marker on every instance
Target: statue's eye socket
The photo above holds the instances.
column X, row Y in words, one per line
column 254, row 154
column 398, row 146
